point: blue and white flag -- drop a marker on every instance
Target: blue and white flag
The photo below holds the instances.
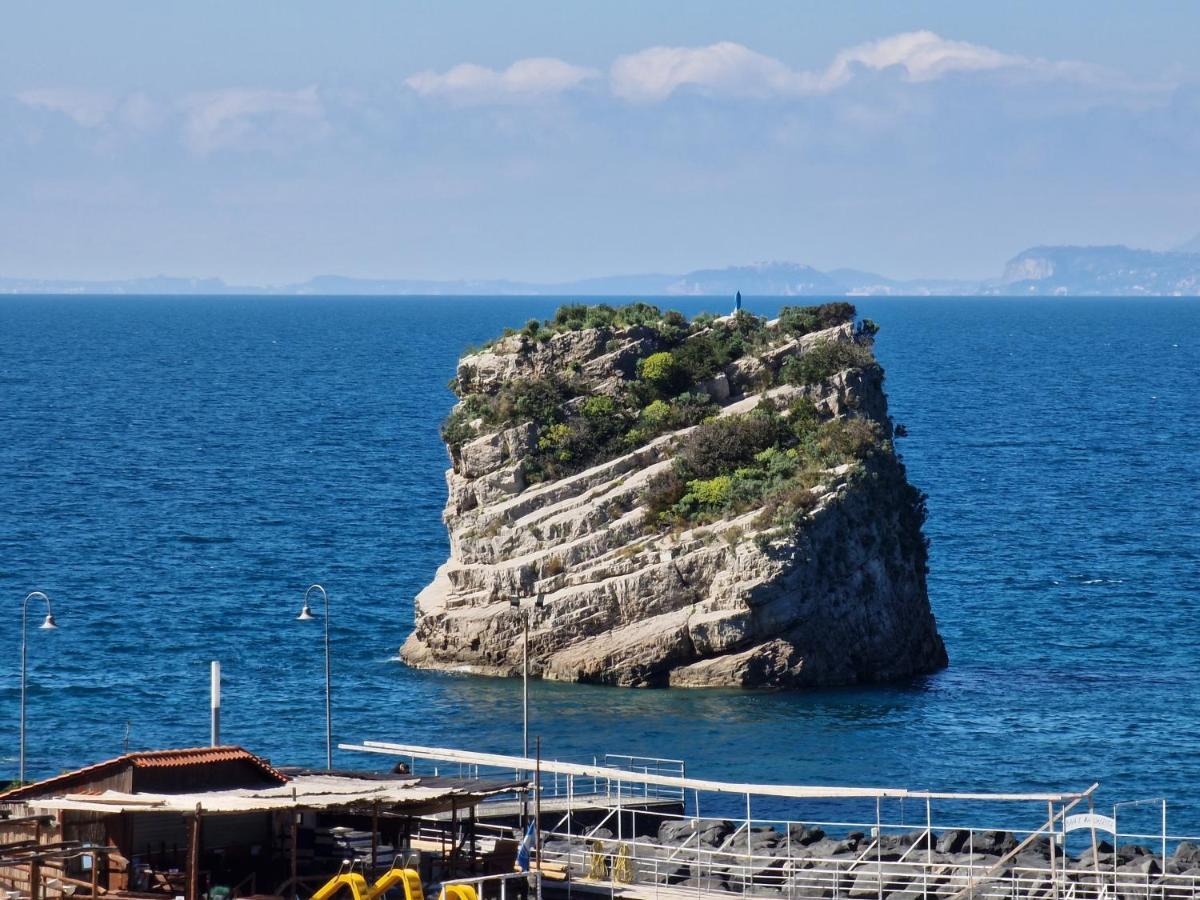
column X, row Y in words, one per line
column 523, row 850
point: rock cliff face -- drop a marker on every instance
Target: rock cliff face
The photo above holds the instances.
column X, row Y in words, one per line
column 666, row 546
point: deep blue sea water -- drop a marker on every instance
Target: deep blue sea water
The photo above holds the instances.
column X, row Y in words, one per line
column 175, row 471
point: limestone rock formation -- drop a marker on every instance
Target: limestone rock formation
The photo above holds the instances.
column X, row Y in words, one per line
column 695, row 504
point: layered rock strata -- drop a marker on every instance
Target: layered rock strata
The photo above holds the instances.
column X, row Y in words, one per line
column 837, row 597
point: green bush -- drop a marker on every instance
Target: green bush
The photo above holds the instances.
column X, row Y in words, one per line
column 656, row 416
column 532, row 399
column 825, row 360
column 701, row 356
column 555, row 442
column 845, row 440
column 802, row 416
column 724, row 444
column 658, row 369
column 578, row 316
column 662, row 492
column 724, row 465
column 455, row 430
column 802, row 320
column 712, row 491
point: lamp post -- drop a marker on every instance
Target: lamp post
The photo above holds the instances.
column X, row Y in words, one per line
column 538, row 603
column 48, row 624
column 515, row 602
column 307, row 616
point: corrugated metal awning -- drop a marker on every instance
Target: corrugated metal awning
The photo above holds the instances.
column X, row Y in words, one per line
column 317, row 791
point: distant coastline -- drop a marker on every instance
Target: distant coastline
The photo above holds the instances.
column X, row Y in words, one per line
column 1112, row 271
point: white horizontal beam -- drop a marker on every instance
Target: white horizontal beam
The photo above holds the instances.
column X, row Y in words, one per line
column 692, row 784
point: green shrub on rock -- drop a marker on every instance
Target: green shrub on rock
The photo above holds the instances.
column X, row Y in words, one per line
column 723, row 445
column 825, row 360
column 769, row 458
column 658, row 369
column 801, row 320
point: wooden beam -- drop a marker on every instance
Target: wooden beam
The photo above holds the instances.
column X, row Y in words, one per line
column 193, row 856
column 295, row 817
column 1049, row 826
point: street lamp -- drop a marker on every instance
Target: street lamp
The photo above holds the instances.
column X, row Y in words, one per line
column 515, row 603
column 48, row 624
column 307, row 616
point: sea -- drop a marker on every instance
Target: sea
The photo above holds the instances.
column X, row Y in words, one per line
column 176, row 471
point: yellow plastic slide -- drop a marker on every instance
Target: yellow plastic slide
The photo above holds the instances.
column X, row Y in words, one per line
column 408, row 877
column 352, row 880
column 459, row 892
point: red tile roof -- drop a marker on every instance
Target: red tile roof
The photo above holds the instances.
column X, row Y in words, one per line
column 145, row 759
column 198, row 756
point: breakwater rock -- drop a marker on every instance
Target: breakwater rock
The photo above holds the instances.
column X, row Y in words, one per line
column 715, row 502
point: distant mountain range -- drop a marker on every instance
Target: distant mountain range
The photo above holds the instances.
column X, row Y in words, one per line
column 1078, row 271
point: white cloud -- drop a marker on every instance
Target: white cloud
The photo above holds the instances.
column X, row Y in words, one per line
column 923, row 55
column 86, row 108
column 730, row 69
column 726, row 68
column 251, row 118
column 524, row 80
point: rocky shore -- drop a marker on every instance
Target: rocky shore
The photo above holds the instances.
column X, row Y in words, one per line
column 679, row 503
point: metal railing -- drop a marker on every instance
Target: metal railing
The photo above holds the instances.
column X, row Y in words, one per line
column 518, row 884
column 880, row 867
column 644, row 765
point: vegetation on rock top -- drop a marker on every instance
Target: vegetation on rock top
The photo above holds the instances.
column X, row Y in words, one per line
column 769, row 458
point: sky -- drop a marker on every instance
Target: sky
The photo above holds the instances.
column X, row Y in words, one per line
column 270, row 142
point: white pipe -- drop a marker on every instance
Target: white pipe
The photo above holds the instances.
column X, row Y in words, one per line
column 215, row 702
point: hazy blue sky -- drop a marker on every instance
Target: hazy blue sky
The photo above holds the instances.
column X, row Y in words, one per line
column 272, row 141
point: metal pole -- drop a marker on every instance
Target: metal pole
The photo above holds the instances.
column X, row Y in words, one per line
column 21, row 765
column 1053, row 841
column 1164, row 835
column 879, row 848
column 537, row 811
column 328, row 693
column 525, row 686
column 307, row 616
column 49, row 624
column 749, row 851
column 215, row 703
column 928, row 846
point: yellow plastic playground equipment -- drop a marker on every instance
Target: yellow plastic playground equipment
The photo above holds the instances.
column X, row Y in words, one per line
column 398, row 874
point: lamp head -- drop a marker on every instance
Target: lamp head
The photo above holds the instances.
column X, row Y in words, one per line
column 49, row 624
column 305, row 614
column 514, row 602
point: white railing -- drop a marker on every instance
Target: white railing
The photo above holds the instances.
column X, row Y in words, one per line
column 879, row 868
column 515, row 884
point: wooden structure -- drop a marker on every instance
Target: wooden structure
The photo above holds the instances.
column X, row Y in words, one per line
column 179, row 822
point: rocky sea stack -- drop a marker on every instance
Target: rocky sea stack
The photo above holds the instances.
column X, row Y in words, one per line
column 703, row 503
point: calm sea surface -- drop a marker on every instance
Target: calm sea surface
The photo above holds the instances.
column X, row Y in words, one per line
column 174, row 472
